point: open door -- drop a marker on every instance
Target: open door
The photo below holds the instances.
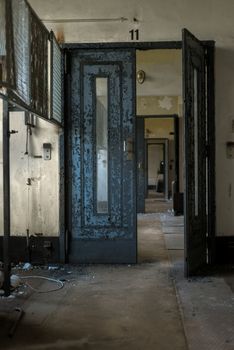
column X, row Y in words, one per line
column 194, row 93
column 140, row 147
column 102, row 175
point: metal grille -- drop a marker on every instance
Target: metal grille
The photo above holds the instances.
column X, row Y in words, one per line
column 39, row 37
column 7, row 77
column 20, row 13
column 24, row 61
column 56, row 80
column 2, row 43
column 2, row 29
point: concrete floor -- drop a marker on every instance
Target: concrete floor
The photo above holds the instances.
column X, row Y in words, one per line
column 127, row 307
column 103, row 307
column 156, row 203
column 207, row 303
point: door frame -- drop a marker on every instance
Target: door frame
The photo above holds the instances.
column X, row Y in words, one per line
column 65, row 147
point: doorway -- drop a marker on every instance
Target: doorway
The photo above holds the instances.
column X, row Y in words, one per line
column 157, row 169
column 156, row 187
column 92, row 230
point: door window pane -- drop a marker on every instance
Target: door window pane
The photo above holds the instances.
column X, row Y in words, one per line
column 195, row 116
column 3, row 71
column 21, row 48
column 102, row 144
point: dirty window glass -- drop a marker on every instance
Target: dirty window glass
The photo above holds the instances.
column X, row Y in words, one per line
column 195, row 116
column 102, row 144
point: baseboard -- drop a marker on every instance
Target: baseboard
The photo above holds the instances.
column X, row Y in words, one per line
column 103, row 252
column 43, row 250
column 224, row 250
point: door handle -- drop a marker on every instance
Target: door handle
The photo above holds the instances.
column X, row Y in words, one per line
column 128, row 148
column 140, row 165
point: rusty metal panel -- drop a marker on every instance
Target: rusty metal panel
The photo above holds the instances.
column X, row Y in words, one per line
column 56, row 80
column 20, row 13
column 3, row 77
column 7, row 69
column 39, row 37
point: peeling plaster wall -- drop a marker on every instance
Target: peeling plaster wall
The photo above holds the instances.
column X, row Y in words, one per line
column 36, row 206
column 157, row 105
column 163, row 20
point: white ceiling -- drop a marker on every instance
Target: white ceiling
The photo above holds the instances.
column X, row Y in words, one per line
column 157, row 19
column 163, row 69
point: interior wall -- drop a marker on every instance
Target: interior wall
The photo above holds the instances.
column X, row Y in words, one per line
column 159, row 128
column 163, row 21
column 157, row 105
column 34, row 182
column 163, row 70
column 160, row 91
column 161, row 94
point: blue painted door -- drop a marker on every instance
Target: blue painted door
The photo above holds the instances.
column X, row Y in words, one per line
column 102, row 164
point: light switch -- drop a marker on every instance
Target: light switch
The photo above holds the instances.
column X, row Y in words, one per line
column 47, row 151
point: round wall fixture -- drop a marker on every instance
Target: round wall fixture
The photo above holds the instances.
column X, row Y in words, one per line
column 140, row 76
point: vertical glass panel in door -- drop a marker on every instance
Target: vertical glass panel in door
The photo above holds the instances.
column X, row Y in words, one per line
column 195, row 116
column 3, row 76
column 102, row 144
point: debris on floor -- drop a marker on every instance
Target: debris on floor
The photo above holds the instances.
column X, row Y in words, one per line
column 15, row 281
column 27, row 266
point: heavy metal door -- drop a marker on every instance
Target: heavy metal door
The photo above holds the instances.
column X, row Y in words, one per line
column 102, row 179
column 195, row 153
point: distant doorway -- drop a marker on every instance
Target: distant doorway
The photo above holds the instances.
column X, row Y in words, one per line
column 157, row 168
column 158, row 164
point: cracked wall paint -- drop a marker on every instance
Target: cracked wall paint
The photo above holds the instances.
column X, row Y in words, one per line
column 35, row 206
column 165, row 103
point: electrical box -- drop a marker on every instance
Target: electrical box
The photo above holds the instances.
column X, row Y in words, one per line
column 47, row 151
